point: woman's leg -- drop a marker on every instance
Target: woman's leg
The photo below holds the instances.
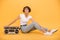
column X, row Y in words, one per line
column 33, row 25
column 26, row 29
column 37, row 26
column 46, row 32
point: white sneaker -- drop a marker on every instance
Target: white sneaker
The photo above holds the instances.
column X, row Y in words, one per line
column 53, row 30
column 47, row 33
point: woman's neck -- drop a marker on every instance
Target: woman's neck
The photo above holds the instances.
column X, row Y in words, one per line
column 26, row 15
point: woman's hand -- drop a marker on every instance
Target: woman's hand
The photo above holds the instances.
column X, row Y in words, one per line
column 32, row 20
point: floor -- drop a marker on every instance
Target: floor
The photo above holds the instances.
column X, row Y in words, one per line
column 33, row 35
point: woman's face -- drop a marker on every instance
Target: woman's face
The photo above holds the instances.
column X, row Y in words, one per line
column 26, row 11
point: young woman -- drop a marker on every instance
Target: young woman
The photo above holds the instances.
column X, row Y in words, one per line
column 25, row 17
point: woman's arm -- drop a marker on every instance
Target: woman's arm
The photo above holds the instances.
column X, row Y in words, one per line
column 14, row 20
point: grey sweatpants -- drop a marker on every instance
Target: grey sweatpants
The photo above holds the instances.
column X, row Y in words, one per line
column 31, row 27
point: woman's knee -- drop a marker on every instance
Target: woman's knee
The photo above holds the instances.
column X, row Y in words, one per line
column 34, row 23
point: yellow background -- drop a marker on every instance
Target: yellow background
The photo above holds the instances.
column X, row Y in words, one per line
column 44, row 12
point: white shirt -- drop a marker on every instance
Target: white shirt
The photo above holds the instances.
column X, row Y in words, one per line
column 24, row 19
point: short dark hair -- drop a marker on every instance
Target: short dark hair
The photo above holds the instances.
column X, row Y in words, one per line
column 27, row 8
